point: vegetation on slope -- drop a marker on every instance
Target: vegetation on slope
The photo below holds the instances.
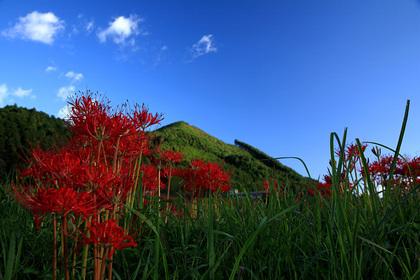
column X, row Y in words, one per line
column 21, row 127
column 250, row 166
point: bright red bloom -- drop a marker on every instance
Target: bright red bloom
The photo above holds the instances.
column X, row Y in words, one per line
column 143, row 119
column 60, row 168
column 42, row 201
column 109, row 234
column 171, row 156
column 150, row 178
column 202, row 177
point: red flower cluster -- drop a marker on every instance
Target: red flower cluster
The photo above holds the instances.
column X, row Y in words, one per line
column 203, row 177
column 406, row 173
column 275, row 187
column 109, row 234
column 93, row 175
column 322, row 189
column 100, row 169
column 351, row 163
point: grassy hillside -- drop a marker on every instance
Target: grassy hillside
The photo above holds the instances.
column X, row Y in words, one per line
column 250, row 166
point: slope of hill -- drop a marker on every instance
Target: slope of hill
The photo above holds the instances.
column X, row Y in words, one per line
column 19, row 127
column 250, row 166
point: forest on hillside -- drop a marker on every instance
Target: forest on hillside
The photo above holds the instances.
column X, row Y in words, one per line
column 20, row 128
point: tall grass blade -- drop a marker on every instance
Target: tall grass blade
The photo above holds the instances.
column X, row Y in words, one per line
column 400, row 139
column 251, row 239
column 210, row 238
column 306, row 168
column 372, row 191
column 12, row 257
column 216, row 265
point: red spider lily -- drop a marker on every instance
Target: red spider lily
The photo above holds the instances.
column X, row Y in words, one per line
column 63, row 201
column 150, row 178
column 109, row 234
column 96, row 171
column 109, row 188
column 276, row 186
column 171, row 157
column 143, row 119
column 203, row 177
column 351, row 150
column 323, row 189
column 405, row 176
column 56, row 167
column 379, row 170
column 134, row 145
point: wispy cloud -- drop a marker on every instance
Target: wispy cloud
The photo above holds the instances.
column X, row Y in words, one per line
column 41, row 27
column 50, row 69
column 121, row 30
column 84, row 24
column 66, row 91
column 22, row 93
column 204, row 46
column 160, row 55
column 5, row 94
column 74, row 77
column 90, row 25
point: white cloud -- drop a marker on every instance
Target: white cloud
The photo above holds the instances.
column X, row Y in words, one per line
column 5, row 93
column 75, row 77
column 50, row 69
column 204, row 46
column 120, row 30
column 89, row 26
column 41, row 27
column 21, row 92
column 65, row 92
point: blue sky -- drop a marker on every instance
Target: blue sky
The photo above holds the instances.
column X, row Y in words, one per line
column 278, row 75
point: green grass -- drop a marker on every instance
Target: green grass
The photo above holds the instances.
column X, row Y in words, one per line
column 276, row 239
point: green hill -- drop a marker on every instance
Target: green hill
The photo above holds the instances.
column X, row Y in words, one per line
column 19, row 127
column 250, row 166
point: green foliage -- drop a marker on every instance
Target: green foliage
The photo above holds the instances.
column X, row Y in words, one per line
column 21, row 127
column 250, row 166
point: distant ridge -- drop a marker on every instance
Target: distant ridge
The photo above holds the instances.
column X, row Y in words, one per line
column 250, row 166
